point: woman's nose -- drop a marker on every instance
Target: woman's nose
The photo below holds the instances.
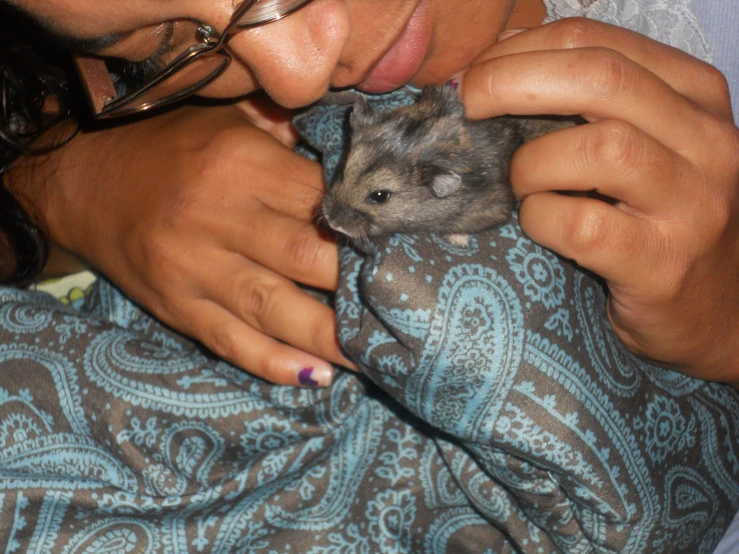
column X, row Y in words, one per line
column 294, row 58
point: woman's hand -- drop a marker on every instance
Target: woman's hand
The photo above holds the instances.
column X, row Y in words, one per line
column 661, row 141
column 206, row 220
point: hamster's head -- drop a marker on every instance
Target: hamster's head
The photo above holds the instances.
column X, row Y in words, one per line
column 391, row 181
column 372, row 198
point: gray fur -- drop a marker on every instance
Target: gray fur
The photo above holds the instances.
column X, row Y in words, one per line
column 444, row 173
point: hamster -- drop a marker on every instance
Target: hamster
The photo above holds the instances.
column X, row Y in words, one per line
column 427, row 168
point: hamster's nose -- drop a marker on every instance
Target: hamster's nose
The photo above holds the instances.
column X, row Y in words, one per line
column 341, row 218
column 330, row 212
column 327, row 207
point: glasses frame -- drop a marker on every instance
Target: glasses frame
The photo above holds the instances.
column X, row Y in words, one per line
column 101, row 89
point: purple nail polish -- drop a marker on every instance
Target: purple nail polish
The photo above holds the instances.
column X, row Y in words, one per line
column 305, row 377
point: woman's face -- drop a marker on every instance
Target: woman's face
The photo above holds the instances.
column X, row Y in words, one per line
column 377, row 45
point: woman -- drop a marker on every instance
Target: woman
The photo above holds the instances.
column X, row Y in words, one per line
column 690, row 233
column 656, row 113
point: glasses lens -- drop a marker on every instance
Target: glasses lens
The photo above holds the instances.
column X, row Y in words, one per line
column 264, row 11
column 178, row 40
column 180, row 83
column 194, row 75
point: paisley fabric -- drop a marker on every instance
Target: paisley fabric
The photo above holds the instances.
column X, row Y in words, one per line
column 555, row 430
column 120, row 436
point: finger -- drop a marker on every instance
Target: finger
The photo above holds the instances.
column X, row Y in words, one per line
column 235, row 341
column 278, row 308
column 263, row 112
column 611, row 157
column 596, row 82
column 600, row 237
column 295, row 249
column 267, row 173
column 689, row 76
column 298, row 187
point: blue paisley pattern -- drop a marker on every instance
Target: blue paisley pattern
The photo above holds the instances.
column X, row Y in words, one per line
column 555, row 433
column 498, row 414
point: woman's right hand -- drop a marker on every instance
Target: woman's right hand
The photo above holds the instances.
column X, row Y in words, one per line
column 205, row 220
column 661, row 143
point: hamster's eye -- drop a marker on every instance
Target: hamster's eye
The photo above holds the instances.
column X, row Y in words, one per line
column 378, row 196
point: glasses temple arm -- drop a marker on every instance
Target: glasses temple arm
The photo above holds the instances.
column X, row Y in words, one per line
column 99, row 85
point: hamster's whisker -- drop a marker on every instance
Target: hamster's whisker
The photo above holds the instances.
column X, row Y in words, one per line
column 321, row 219
column 364, row 241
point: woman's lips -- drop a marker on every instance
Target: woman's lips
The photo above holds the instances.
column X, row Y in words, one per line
column 405, row 56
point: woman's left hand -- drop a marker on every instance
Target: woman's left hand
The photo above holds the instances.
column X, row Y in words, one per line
column 662, row 143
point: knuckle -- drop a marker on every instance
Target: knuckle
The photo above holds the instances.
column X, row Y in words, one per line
column 718, row 181
column 614, row 145
column 256, row 298
column 714, row 81
column 585, row 230
column 723, row 219
column 607, row 73
column 226, row 145
column 155, row 250
column 304, row 251
column 723, row 141
column 222, row 341
column 576, row 32
column 226, row 153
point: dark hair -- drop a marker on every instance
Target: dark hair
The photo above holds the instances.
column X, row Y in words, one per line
column 32, row 70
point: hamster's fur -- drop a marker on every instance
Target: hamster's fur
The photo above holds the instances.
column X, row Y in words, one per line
column 427, row 168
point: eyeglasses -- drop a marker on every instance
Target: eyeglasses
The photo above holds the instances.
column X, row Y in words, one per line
column 187, row 60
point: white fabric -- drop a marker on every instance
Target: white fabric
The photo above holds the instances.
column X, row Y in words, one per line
column 720, row 19
column 668, row 21
column 706, row 29
column 730, row 543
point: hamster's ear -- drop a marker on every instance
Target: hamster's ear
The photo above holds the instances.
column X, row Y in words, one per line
column 361, row 111
column 442, row 180
column 444, row 184
column 442, row 100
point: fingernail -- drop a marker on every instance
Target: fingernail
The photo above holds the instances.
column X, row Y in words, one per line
column 510, row 32
column 347, row 363
column 455, row 82
column 315, row 377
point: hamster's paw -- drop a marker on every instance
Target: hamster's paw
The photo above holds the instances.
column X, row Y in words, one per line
column 458, row 239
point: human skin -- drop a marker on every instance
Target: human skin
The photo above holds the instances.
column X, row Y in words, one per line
column 662, row 142
column 669, row 246
column 211, row 249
